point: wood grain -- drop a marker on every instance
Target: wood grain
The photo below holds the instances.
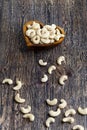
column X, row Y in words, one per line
column 16, row 61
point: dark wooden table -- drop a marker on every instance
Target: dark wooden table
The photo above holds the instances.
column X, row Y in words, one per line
column 16, row 61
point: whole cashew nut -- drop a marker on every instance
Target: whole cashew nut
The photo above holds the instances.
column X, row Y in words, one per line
column 46, row 41
column 43, row 33
column 62, row 79
column 49, row 121
column 51, row 68
column 45, row 78
column 70, row 112
column 8, row 81
column 52, row 102
column 18, row 86
column 68, row 119
column 30, row 33
column 60, row 60
column 30, row 116
column 19, row 99
column 35, row 26
column 25, row 110
column 82, row 111
column 57, row 37
column 78, row 127
column 35, row 39
column 63, row 104
column 42, row 63
column 55, row 113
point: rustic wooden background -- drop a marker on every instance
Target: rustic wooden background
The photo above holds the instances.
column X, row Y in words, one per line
column 16, row 61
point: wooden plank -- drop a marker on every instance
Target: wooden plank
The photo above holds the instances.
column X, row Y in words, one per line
column 16, row 61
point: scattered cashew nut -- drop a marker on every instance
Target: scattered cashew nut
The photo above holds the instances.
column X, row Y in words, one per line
column 68, row 119
column 51, row 68
column 60, row 60
column 49, row 121
column 70, row 112
column 19, row 99
column 18, row 86
column 25, row 110
column 82, row 111
column 45, row 78
column 55, row 113
column 52, row 102
column 78, row 127
column 62, row 79
column 63, row 104
column 30, row 116
column 42, row 63
column 9, row 81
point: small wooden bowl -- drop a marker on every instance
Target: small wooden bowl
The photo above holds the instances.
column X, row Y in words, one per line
column 30, row 44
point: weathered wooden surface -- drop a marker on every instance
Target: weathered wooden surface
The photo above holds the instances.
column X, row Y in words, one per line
column 16, row 61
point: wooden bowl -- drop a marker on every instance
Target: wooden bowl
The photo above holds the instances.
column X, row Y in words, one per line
column 30, row 44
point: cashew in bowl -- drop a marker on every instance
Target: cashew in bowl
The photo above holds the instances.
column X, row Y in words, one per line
column 60, row 60
column 25, row 110
column 35, row 26
column 52, row 102
column 63, row 104
column 70, row 112
column 57, row 37
column 30, row 33
column 55, row 113
column 8, row 81
column 68, row 119
column 18, row 86
column 42, row 63
column 62, row 79
column 82, row 111
column 45, row 40
column 78, row 127
column 45, row 78
column 19, row 99
column 30, row 116
column 51, row 68
column 49, row 121
column 36, row 39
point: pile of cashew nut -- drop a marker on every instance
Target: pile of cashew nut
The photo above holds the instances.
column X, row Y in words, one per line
column 45, row 35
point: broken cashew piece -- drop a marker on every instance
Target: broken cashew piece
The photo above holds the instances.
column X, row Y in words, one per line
column 68, row 119
column 19, row 99
column 18, row 86
column 55, row 113
column 62, row 79
column 44, row 79
column 51, row 68
column 9, row 81
column 78, row 127
column 82, row 111
column 30, row 116
column 25, row 110
column 36, row 39
column 49, row 121
column 52, row 102
column 63, row 104
column 42, row 63
column 60, row 60
column 70, row 112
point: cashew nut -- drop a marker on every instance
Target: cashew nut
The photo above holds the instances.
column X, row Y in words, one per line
column 19, row 99
column 49, row 121
column 30, row 116
column 68, row 119
column 29, row 26
column 45, row 78
column 63, row 104
column 25, row 110
column 8, row 81
column 78, row 127
column 53, row 26
column 49, row 27
column 82, row 111
column 51, row 40
column 52, row 102
column 52, row 34
column 62, row 79
column 43, row 33
column 18, row 86
column 35, row 26
column 30, row 33
column 60, row 60
column 45, row 40
column 42, row 63
column 58, row 32
column 55, row 113
column 36, row 39
column 57, row 37
column 70, row 112
column 51, row 68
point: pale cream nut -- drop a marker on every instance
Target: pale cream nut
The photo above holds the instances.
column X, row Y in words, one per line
column 29, row 26
column 51, row 68
column 55, row 113
column 43, row 33
column 68, row 119
column 25, row 110
column 35, row 26
column 62, row 79
column 52, row 102
column 78, row 127
column 57, row 32
column 18, row 86
column 70, row 112
column 60, row 60
column 36, row 39
column 82, row 111
column 8, row 81
column 44, row 79
column 45, row 41
column 30, row 33
column 49, row 121
column 63, row 104
column 52, row 34
column 51, row 40
column 19, row 99
column 30, row 116
column 57, row 37
column 42, row 63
